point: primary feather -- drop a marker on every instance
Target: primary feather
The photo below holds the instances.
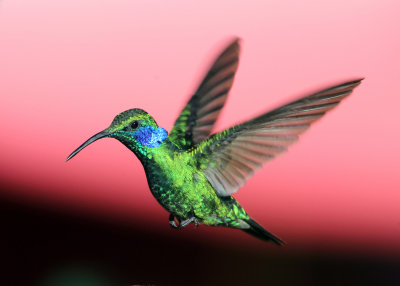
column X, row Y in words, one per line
column 229, row 158
column 197, row 119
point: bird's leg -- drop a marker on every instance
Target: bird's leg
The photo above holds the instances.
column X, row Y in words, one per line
column 183, row 223
column 172, row 222
column 189, row 220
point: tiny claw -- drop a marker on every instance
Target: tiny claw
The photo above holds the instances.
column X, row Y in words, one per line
column 172, row 222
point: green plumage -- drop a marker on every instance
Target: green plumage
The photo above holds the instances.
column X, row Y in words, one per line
column 192, row 174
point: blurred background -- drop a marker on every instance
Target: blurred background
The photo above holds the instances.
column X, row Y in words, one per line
column 68, row 67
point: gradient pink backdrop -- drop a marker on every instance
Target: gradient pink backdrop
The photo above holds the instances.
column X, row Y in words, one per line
column 68, row 67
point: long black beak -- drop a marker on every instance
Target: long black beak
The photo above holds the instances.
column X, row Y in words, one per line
column 98, row 136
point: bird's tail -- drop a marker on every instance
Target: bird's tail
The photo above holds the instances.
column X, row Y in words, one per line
column 258, row 231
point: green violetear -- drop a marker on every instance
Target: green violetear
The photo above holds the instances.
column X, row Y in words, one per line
column 192, row 173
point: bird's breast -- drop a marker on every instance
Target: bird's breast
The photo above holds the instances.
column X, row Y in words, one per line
column 171, row 184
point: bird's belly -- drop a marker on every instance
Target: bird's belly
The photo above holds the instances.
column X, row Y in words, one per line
column 173, row 200
column 186, row 194
column 184, row 198
column 205, row 205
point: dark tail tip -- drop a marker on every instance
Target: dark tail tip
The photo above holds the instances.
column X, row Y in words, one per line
column 259, row 232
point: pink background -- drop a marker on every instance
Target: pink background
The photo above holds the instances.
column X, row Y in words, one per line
column 68, row 67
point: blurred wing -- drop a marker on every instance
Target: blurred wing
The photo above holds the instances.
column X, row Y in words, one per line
column 196, row 120
column 230, row 158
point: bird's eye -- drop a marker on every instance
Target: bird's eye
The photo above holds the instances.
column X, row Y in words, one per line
column 134, row 124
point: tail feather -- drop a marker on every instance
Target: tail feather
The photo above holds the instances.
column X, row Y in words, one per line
column 258, row 231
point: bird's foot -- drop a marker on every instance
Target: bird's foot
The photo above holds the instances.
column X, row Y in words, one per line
column 182, row 223
column 189, row 220
column 172, row 222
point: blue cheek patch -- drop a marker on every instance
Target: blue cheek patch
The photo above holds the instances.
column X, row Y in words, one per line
column 150, row 137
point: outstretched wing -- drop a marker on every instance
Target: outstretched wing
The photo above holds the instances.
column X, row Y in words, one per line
column 197, row 119
column 230, row 157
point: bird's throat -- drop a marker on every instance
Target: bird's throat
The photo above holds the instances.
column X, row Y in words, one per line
column 148, row 144
column 151, row 137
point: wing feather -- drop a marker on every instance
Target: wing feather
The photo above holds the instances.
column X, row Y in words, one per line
column 197, row 119
column 231, row 157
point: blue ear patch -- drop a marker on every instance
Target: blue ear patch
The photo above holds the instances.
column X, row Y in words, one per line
column 150, row 137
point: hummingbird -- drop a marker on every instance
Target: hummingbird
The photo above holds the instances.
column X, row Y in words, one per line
column 193, row 173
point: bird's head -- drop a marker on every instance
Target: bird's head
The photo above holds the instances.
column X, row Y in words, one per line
column 135, row 128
